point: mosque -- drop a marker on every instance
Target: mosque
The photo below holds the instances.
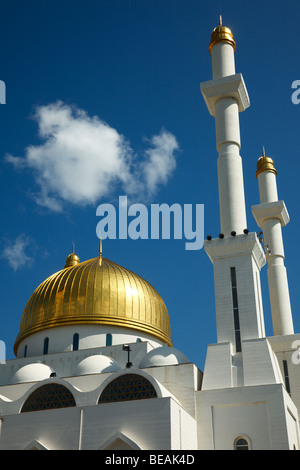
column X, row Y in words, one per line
column 95, row 365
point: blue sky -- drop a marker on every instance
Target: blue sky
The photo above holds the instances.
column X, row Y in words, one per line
column 119, row 81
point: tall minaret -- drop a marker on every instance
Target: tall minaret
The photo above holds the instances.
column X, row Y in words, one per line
column 237, row 255
column 226, row 96
column 270, row 216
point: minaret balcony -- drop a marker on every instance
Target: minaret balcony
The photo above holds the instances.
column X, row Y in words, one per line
column 232, row 86
column 271, row 210
column 236, row 246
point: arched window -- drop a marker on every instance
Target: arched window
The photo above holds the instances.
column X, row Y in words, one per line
column 25, row 350
column 75, row 342
column 108, row 339
column 46, row 346
column 241, row 443
column 49, row 397
column 128, row 387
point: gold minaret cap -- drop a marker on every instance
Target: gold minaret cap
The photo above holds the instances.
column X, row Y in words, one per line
column 265, row 163
column 221, row 34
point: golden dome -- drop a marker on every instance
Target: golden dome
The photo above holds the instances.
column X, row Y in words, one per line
column 221, row 34
column 265, row 163
column 96, row 292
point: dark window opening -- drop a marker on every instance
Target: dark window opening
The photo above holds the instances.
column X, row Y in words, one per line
column 75, row 342
column 128, row 387
column 236, row 319
column 46, row 346
column 286, row 376
column 108, row 339
column 49, row 397
column 241, row 444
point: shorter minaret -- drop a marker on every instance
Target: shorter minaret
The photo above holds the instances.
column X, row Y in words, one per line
column 270, row 216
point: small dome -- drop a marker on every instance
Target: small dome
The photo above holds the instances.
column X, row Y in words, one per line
column 96, row 364
column 72, row 260
column 32, row 373
column 163, row 356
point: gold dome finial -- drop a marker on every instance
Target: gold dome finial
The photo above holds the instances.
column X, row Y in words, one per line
column 265, row 163
column 221, row 34
column 72, row 259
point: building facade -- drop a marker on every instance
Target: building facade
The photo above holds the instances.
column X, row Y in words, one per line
column 95, row 360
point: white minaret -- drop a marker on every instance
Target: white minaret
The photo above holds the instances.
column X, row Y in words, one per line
column 236, row 254
column 247, row 377
column 226, row 96
column 270, row 216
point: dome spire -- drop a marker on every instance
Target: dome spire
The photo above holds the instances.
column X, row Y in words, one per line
column 100, row 251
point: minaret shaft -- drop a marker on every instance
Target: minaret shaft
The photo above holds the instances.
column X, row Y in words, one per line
column 226, row 96
column 223, row 63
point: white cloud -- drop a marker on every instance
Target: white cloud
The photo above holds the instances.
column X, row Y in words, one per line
column 161, row 161
column 15, row 252
column 82, row 159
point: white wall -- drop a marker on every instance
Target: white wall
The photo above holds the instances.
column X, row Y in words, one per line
column 151, row 424
column 263, row 414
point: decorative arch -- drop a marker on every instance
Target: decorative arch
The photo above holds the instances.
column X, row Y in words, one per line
column 36, row 445
column 127, row 387
column 48, row 397
column 119, row 441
